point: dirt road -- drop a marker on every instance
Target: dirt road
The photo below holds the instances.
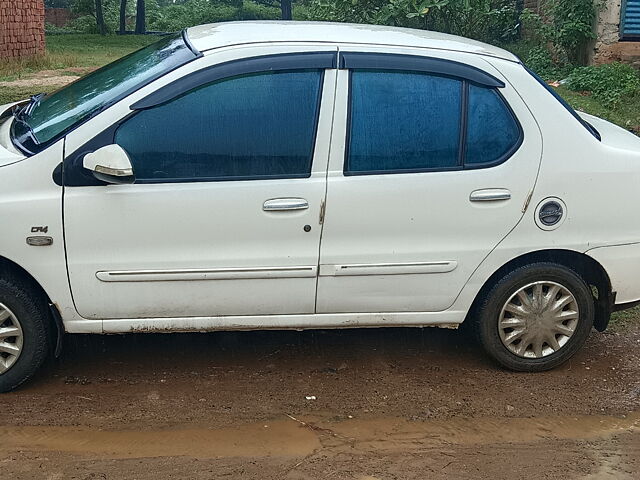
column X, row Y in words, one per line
column 356, row 404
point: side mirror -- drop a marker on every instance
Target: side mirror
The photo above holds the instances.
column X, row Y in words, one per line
column 110, row 164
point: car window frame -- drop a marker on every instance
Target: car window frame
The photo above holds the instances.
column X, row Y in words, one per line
column 71, row 172
column 402, row 63
column 314, row 136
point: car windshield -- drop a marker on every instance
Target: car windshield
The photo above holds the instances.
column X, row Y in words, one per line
column 46, row 118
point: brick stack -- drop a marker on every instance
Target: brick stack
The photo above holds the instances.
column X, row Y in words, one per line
column 21, row 28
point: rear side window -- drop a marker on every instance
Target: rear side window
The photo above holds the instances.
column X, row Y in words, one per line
column 411, row 122
column 492, row 130
column 254, row 126
column 403, row 121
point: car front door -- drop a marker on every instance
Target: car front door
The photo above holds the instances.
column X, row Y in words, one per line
column 433, row 159
column 223, row 217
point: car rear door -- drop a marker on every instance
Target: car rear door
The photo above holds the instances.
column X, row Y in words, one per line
column 433, row 159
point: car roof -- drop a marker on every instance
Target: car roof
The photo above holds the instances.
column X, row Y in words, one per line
column 216, row 35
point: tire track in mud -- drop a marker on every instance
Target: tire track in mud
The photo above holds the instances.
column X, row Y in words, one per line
column 291, row 438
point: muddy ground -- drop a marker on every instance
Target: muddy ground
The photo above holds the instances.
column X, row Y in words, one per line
column 351, row 404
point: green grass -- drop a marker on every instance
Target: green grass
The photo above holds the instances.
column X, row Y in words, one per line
column 75, row 50
column 621, row 321
column 13, row 94
column 626, row 113
column 96, row 50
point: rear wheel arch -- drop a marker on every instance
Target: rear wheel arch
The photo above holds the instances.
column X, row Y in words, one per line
column 585, row 266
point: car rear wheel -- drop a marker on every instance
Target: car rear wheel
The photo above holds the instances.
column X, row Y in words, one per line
column 24, row 333
column 536, row 317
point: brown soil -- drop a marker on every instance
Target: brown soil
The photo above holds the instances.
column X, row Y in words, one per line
column 389, row 404
column 58, row 77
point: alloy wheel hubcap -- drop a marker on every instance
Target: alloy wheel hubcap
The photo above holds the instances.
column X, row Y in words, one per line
column 11, row 339
column 538, row 319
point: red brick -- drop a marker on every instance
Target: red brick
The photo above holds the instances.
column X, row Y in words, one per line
column 21, row 27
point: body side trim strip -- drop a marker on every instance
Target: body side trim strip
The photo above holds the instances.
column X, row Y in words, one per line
column 207, row 274
column 388, row 268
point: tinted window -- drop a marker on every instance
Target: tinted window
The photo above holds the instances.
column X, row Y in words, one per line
column 250, row 126
column 492, row 131
column 403, row 121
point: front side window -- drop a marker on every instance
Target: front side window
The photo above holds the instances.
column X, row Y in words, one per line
column 403, row 121
column 246, row 127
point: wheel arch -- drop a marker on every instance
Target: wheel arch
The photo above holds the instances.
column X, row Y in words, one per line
column 9, row 268
column 588, row 268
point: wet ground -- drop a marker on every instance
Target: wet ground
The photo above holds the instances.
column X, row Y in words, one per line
column 350, row 404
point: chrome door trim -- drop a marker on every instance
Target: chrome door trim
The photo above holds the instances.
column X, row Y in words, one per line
column 191, row 274
column 358, row 269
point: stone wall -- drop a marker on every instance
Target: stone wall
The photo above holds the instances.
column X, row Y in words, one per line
column 21, row 28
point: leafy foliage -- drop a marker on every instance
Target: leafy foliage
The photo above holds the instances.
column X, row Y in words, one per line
column 168, row 16
column 563, row 29
column 607, row 83
column 486, row 20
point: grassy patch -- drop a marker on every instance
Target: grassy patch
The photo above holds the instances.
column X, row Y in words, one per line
column 13, row 94
column 621, row 321
column 65, row 51
column 626, row 113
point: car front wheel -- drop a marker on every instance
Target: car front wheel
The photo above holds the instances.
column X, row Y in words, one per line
column 24, row 333
column 536, row 317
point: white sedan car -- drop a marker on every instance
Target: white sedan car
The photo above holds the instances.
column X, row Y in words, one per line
column 305, row 175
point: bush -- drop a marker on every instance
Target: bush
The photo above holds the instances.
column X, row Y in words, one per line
column 564, row 29
column 607, row 83
column 486, row 20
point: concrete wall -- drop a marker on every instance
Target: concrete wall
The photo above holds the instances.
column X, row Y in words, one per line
column 607, row 31
column 21, row 28
column 608, row 47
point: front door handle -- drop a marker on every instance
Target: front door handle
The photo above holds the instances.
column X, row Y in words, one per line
column 490, row 195
column 285, row 204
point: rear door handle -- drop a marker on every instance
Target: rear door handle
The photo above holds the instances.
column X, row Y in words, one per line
column 490, row 195
column 285, row 204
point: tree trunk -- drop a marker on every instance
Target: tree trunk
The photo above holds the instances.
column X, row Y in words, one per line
column 141, row 27
column 285, row 6
column 102, row 28
column 123, row 17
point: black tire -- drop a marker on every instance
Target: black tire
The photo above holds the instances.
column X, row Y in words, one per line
column 30, row 309
column 485, row 322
